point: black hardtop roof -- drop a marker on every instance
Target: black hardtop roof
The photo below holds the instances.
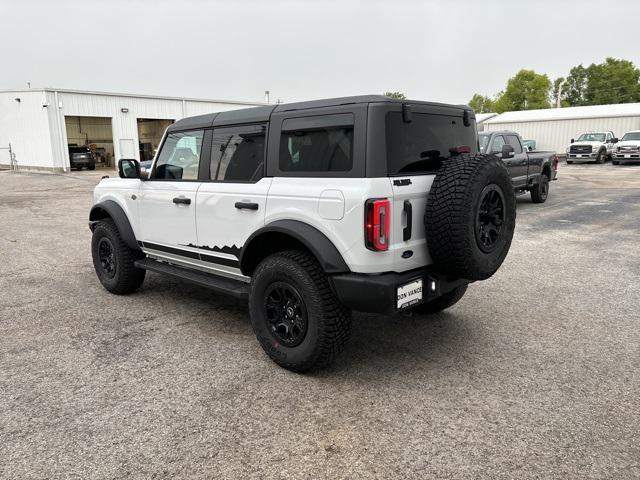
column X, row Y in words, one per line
column 262, row 114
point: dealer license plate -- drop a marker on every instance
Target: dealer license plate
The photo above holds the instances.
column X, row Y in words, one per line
column 409, row 294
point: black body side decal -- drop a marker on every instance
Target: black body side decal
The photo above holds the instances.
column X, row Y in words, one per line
column 233, row 250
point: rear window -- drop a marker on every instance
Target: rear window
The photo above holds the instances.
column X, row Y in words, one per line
column 420, row 146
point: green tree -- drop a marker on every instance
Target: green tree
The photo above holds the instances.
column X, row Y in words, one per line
column 528, row 90
column 396, row 95
column 481, row 103
column 574, row 89
column 612, row 81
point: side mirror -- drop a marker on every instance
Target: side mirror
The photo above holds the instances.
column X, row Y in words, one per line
column 507, row 152
column 128, row 168
column 615, row 140
column 572, row 140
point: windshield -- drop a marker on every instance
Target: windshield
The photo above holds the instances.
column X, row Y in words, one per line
column 591, row 137
column 631, row 136
column 420, row 146
column 483, row 140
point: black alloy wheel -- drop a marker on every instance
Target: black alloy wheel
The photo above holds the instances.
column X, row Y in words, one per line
column 490, row 218
column 286, row 313
column 107, row 257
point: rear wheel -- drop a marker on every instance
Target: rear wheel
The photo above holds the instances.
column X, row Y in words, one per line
column 295, row 315
column 443, row 302
column 114, row 261
column 540, row 191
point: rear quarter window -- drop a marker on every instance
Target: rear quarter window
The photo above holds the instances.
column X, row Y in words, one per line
column 421, row 145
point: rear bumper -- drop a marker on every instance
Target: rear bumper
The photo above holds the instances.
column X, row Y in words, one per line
column 378, row 293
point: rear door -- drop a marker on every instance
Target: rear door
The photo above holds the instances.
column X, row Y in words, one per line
column 414, row 152
column 231, row 205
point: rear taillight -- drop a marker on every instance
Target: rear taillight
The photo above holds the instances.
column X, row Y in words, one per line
column 377, row 224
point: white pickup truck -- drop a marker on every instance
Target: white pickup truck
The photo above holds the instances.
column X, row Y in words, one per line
column 591, row 147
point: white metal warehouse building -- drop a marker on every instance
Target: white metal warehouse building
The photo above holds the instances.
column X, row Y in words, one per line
column 41, row 124
column 553, row 128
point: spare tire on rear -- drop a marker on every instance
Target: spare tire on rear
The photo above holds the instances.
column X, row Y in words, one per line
column 470, row 216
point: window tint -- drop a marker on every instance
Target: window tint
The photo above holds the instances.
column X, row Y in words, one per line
column 179, row 158
column 498, row 143
column 315, row 146
column 515, row 143
column 237, row 153
column 420, row 146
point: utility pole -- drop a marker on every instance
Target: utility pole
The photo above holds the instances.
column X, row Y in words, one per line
column 559, row 93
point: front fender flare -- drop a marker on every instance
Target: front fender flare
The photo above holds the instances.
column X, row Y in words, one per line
column 111, row 209
column 313, row 239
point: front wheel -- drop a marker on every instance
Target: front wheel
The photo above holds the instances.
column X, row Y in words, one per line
column 113, row 260
column 295, row 315
column 601, row 157
column 540, row 191
column 615, row 162
column 442, row 302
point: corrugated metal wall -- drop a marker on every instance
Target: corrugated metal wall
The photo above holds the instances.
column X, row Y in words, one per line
column 25, row 125
column 556, row 134
column 125, row 127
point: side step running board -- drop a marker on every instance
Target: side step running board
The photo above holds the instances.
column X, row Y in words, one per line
column 214, row 282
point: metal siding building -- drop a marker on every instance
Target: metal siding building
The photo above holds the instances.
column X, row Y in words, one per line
column 481, row 119
column 37, row 122
column 553, row 128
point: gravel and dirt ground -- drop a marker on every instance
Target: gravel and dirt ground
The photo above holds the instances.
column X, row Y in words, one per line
column 534, row 374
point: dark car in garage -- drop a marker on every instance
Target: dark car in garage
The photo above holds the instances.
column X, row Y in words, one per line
column 81, row 157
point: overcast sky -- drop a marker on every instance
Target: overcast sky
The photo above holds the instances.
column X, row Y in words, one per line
column 431, row 50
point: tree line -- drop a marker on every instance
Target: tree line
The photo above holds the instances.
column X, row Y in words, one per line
column 612, row 81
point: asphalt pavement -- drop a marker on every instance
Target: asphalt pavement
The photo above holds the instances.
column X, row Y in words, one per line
column 534, row 374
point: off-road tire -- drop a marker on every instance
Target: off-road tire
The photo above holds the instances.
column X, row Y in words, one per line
column 126, row 278
column 540, row 191
column 443, row 302
column 602, row 157
column 453, row 210
column 328, row 321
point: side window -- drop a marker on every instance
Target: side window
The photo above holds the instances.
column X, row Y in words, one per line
column 179, row 158
column 515, row 143
column 498, row 142
column 237, row 153
column 317, row 144
column 609, row 137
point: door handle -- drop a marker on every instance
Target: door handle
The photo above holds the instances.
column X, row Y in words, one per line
column 182, row 200
column 408, row 209
column 246, row 206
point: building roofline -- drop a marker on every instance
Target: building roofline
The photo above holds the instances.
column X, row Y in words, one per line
column 131, row 95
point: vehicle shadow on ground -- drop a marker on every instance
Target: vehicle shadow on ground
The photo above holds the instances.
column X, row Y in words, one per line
column 407, row 341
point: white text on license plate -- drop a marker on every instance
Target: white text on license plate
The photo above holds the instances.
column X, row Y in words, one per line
column 409, row 294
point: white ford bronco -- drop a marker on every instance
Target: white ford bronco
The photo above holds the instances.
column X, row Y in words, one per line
column 310, row 210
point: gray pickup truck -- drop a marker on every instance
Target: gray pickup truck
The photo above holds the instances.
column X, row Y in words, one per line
column 530, row 171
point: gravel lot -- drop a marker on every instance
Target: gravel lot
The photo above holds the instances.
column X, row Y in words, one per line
column 534, row 374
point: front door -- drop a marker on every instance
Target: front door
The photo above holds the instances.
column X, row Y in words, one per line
column 232, row 205
column 518, row 165
column 168, row 199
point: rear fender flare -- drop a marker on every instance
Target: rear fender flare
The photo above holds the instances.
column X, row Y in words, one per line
column 314, row 240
